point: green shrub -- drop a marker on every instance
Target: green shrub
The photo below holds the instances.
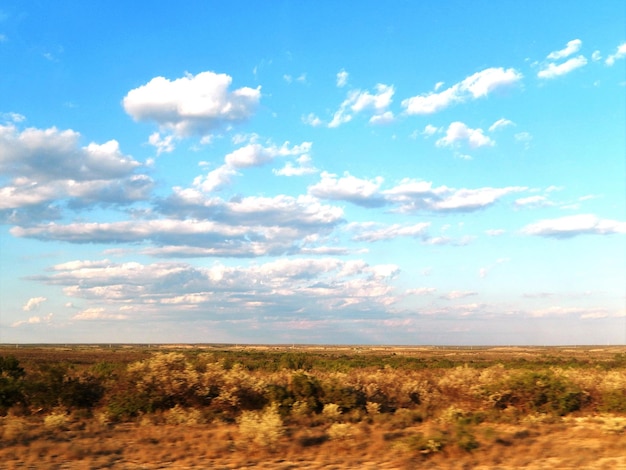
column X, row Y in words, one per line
column 613, row 401
column 539, row 392
column 347, row 398
column 11, row 382
column 307, row 389
column 465, row 439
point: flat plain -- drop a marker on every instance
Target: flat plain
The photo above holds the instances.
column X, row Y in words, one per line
column 312, row 407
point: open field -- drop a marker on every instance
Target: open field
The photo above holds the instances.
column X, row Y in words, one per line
column 311, row 407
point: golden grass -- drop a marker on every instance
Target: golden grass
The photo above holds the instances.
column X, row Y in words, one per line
column 441, row 418
column 580, row 442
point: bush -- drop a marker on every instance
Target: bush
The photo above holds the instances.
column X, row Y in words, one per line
column 347, row 398
column 340, row 431
column 613, row 401
column 11, row 382
column 306, row 389
column 56, row 420
column 539, row 392
column 264, row 428
column 331, row 411
column 182, row 416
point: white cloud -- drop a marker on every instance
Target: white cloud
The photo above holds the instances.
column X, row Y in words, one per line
column 196, row 225
column 304, row 167
column 371, row 232
column 12, row 117
column 216, row 179
column 257, row 155
column 571, row 226
column 459, row 132
column 163, row 144
column 359, row 101
column 33, row 303
column 98, row 313
column 421, row 291
column 312, row 120
column 596, row 56
column 475, row 86
column 533, row 201
column 278, row 288
column 348, row 188
column 193, row 104
column 36, row 320
column 500, row 123
column 49, row 164
column 453, row 295
column 342, row 78
column 382, row 119
column 552, row 70
column 572, row 47
column 51, row 154
column 412, row 196
column 254, row 155
column 430, row 130
column 619, row 54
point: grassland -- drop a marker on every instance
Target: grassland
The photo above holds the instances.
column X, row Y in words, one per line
column 283, row 407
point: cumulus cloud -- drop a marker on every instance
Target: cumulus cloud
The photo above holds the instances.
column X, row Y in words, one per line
column 430, row 130
column 460, row 132
column 287, row 286
column 193, row 104
column 195, row 225
column 553, row 70
column 98, row 313
column 51, row 154
column 35, row 320
column 619, row 54
column 408, row 195
column 304, row 167
column 574, row 225
column 349, row 188
column 49, row 165
column 255, row 155
column 412, row 196
column 478, row 85
column 572, row 47
column 33, row 303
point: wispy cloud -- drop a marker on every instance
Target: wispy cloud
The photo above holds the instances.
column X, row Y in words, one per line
column 478, row 85
column 574, row 225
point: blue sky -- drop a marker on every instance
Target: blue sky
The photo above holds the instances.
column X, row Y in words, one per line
column 313, row 172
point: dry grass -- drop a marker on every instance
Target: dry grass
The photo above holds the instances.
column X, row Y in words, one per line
column 435, row 418
column 593, row 442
